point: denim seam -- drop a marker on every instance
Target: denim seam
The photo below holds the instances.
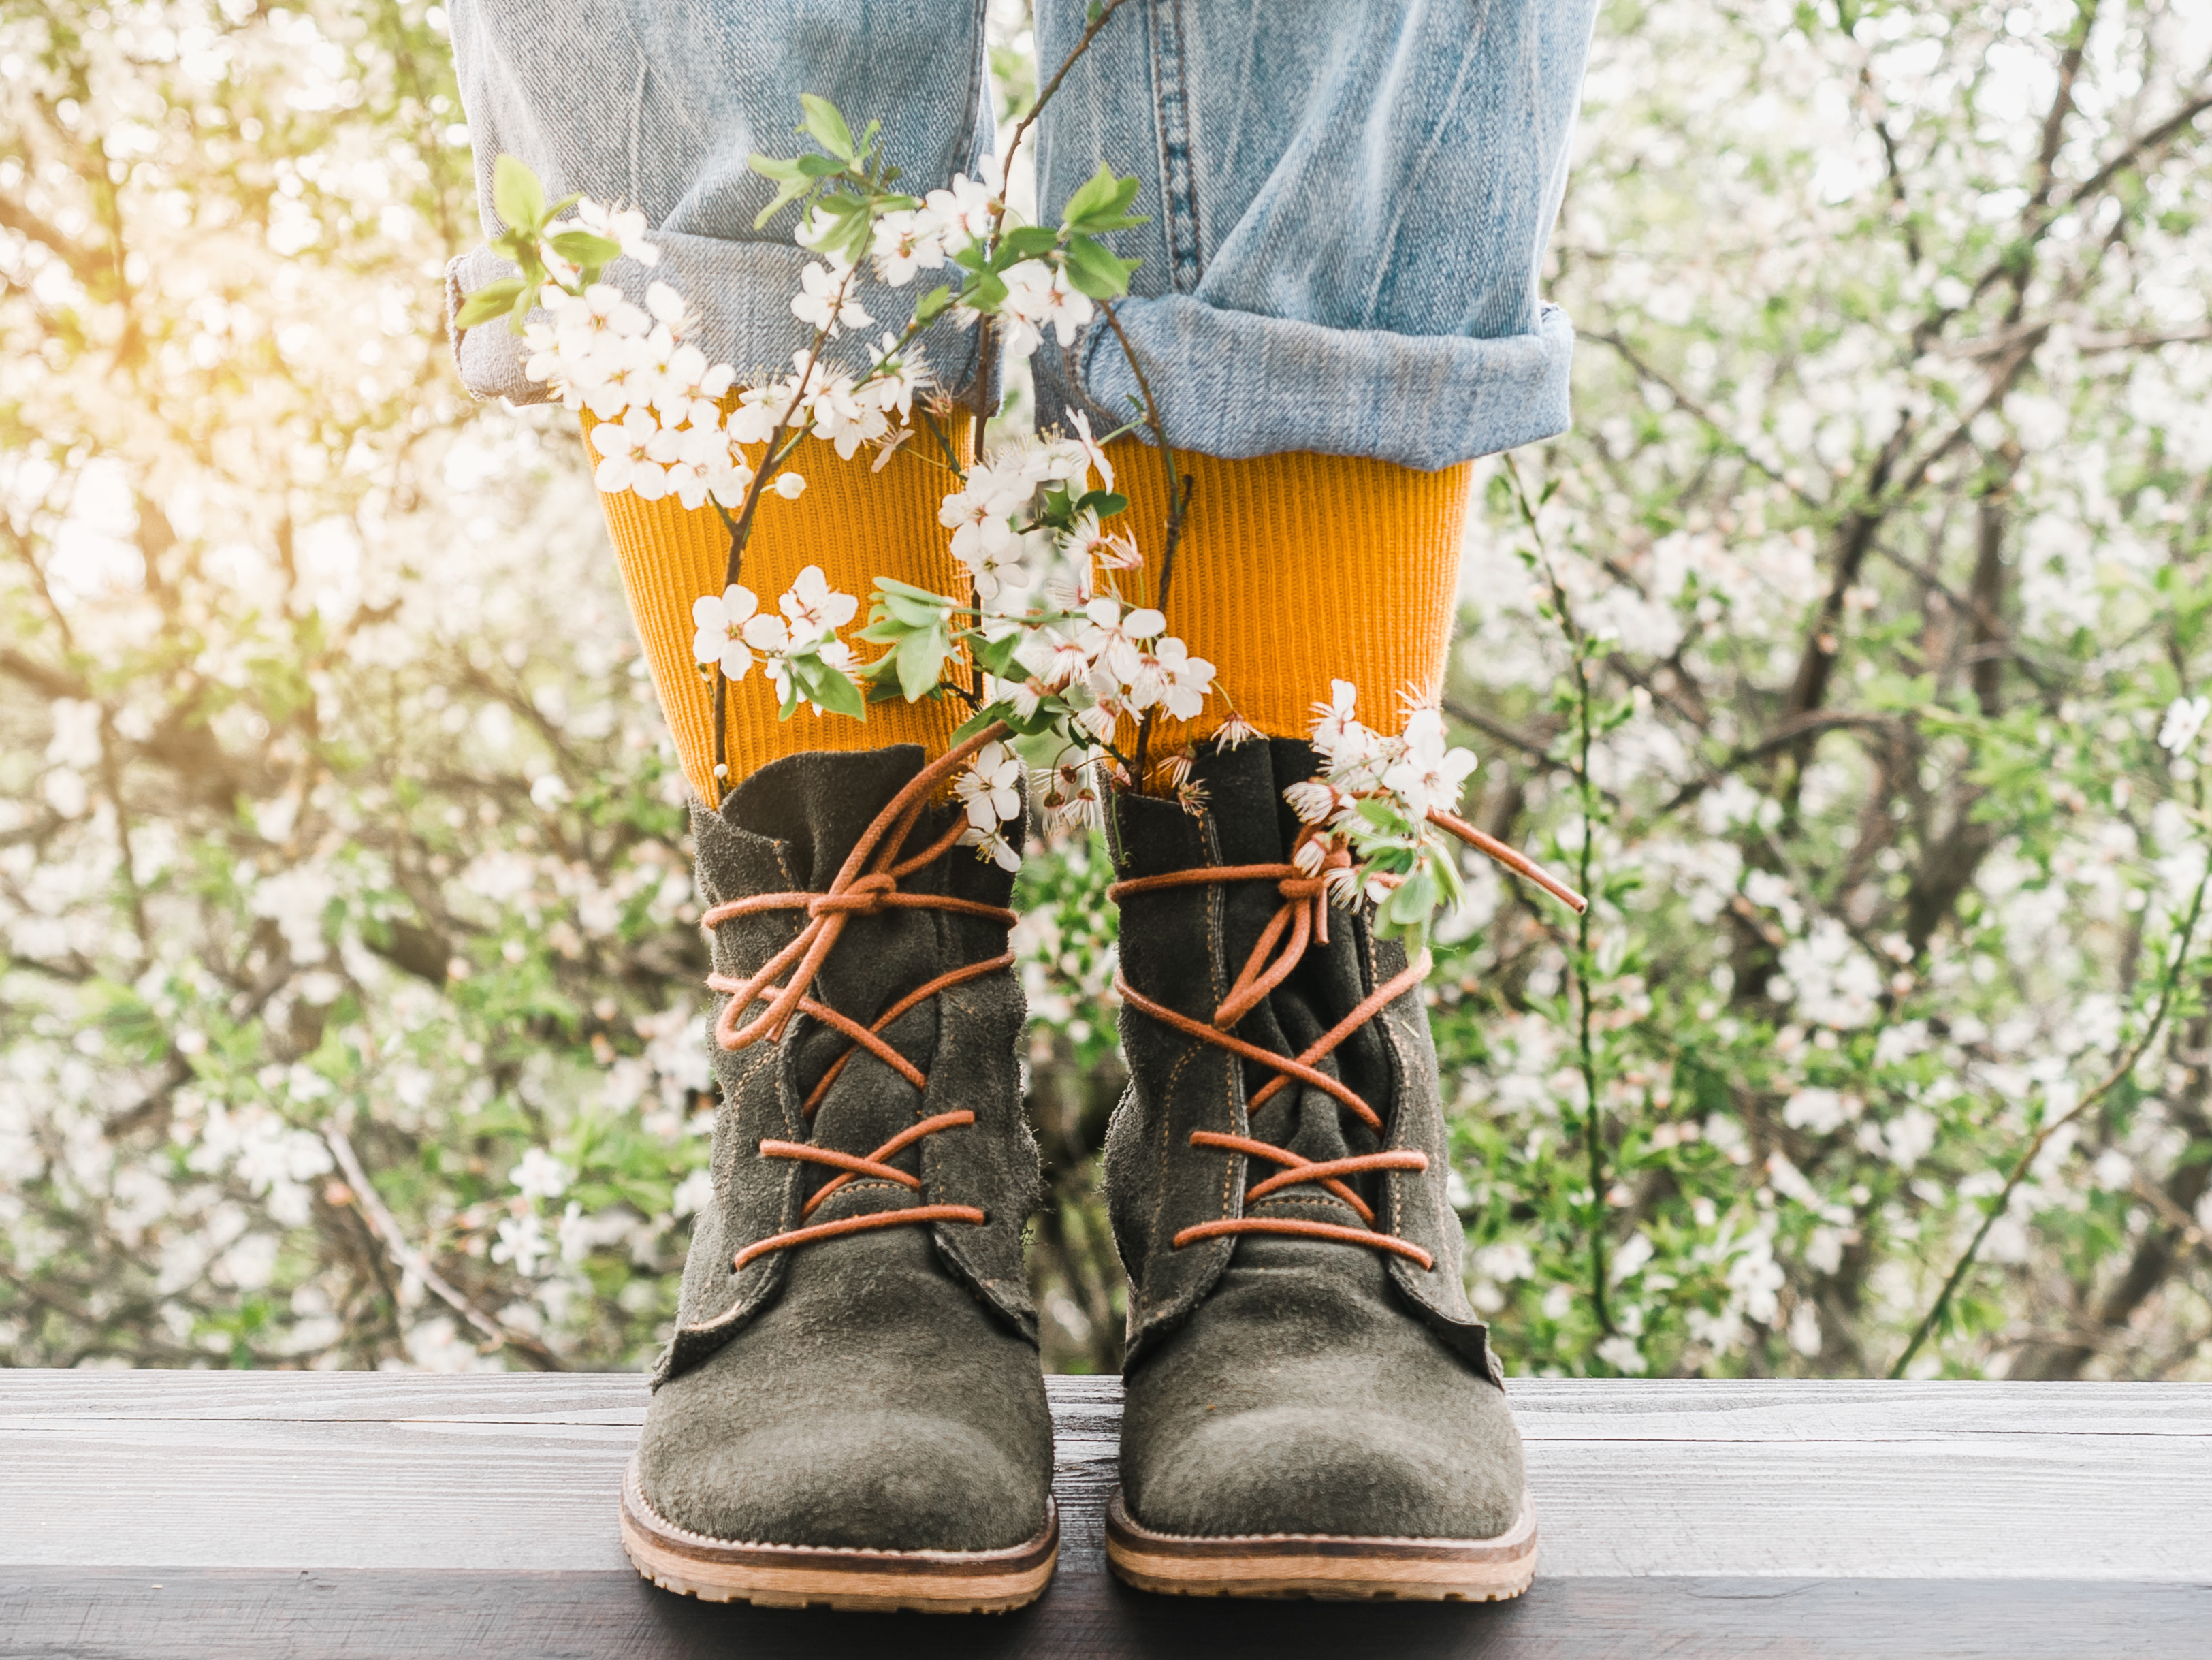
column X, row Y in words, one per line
column 1171, row 123
column 637, row 127
column 977, row 92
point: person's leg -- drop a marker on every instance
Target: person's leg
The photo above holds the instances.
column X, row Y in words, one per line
column 659, row 106
column 1337, row 311
column 851, row 1410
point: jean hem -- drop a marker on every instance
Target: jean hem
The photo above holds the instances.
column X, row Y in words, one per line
column 1236, row 384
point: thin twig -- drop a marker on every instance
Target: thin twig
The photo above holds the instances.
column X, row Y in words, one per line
column 386, row 1230
column 2104, row 1087
column 987, row 340
column 1179, row 494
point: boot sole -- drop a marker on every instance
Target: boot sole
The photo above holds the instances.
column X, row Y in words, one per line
column 1332, row 1566
column 814, row 1576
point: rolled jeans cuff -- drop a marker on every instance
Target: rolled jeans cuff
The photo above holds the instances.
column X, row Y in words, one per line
column 1236, row 384
column 741, row 293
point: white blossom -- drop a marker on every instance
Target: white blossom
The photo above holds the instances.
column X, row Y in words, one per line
column 540, row 1175
column 1428, row 774
column 829, row 300
column 721, row 621
column 625, row 463
column 815, row 609
column 990, row 787
column 522, row 1242
column 2184, row 719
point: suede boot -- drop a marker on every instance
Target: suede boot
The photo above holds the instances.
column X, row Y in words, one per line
column 1311, row 1407
column 852, row 1411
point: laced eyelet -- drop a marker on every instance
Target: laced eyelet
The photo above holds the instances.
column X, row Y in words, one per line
column 1303, row 917
column 866, row 884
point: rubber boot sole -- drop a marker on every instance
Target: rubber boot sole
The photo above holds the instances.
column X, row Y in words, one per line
column 859, row 1581
column 1324, row 1566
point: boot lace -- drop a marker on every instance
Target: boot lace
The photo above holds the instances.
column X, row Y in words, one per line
column 866, row 884
column 1301, row 920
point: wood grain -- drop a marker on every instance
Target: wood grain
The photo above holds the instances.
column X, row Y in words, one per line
column 193, row 1614
column 316, row 1513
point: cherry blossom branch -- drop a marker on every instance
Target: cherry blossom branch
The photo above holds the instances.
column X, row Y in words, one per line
column 741, row 527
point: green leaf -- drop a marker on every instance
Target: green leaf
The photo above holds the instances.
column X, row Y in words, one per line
column 998, row 657
column 1024, row 242
column 1101, row 203
column 783, row 199
column 1381, row 816
column 851, row 243
column 986, row 292
column 1095, row 272
column 784, row 168
column 1412, row 903
column 582, row 248
column 492, row 299
column 517, row 194
column 892, row 584
column 983, row 718
column 896, row 614
column 932, row 304
column 828, row 126
column 921, row 661
column 828, row 687
column 1104, row 504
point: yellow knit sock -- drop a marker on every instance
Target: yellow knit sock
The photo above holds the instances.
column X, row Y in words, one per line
column 855, row 524
column 1296, row 570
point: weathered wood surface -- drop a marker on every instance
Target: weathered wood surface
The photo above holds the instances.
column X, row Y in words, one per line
column 309, row 1514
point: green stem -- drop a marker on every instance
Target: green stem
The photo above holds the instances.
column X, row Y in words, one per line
column 1592, row 804
column 986, row 343
column 1179, row 491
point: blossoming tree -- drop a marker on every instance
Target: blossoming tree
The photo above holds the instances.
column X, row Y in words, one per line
column 1851, row 656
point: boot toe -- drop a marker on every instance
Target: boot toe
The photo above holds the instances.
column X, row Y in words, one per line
column 868, row 1480
column 1297, row 1470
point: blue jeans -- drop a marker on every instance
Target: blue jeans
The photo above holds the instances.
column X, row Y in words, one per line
column 1349, row 201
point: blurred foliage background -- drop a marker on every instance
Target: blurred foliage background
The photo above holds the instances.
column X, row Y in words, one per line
column 351, row 1010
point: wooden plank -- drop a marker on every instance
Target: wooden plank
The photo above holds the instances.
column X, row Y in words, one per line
column 409, row 1475
column 190, row 1614
column 1548, row 1408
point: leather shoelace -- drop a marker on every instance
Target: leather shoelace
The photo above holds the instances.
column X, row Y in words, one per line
column 866, row 884
column 1303, row 916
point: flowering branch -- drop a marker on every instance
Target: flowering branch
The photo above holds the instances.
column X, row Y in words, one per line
column 1025, row 520
column 1179, row 492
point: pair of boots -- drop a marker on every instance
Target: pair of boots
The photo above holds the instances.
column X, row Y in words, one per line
column 851, row 1411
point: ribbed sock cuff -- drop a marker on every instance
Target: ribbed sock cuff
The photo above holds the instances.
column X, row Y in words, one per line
column 857, row 525
column 1295, row 570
